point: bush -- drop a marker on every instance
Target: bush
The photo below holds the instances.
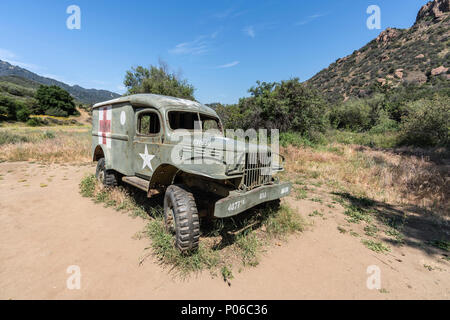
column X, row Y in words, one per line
column 23, row 114
column 54, row 100
column 294, row 139
column 286, row 106
column 427, row 123
column 384, row 123
column 11, row 138
column 33, row 122
column 56, row 112
column 353, row 114
column 8, row 108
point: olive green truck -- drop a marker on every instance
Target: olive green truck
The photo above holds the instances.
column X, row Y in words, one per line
column 176, row 147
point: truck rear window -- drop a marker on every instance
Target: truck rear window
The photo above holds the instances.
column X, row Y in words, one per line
column 148, row 124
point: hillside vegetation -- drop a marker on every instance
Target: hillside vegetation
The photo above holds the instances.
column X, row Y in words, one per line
column 395, row 91
column 397, row 57
column 87, row 96
column 21, row 98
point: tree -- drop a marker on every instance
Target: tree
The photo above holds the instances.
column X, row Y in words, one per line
column 11, row 109
column 231, row 116
column 7, row 108
column 287, row 106
column 427, row 123
column 157, row 80
column 54, row 101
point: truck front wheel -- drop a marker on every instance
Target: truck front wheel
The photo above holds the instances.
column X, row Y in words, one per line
column 181, row 217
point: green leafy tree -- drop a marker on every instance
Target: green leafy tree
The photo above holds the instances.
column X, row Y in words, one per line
column 427, row 123
column 7, row 108
column 54, row 101
column 353, row 114
column 23, row 113
column 11, row 109
column 157, row 80
column 230, row 115
column 287, row 106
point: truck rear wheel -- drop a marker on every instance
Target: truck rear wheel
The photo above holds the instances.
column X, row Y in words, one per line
column 106, row 177
column 181, row 217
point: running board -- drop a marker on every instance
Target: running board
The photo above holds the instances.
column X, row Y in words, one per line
column 137, row 182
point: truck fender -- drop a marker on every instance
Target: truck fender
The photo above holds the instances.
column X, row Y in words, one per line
column 99, row 153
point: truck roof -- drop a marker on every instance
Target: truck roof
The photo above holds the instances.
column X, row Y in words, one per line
column 159, row 102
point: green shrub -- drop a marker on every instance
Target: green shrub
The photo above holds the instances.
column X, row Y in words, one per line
column 7, row 138
column 384, row 123
column 56, row 112
column 23, row 114
column 33, row 122
column 87, row 186
column 353, row 115
column 427, row 123
column 294, row 139
column 8, row 108
column 286, row 106
column 53, row 100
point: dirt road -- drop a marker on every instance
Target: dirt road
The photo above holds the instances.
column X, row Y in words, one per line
column 46, row 226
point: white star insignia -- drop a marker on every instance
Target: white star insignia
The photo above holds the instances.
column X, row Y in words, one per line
column 147, row 159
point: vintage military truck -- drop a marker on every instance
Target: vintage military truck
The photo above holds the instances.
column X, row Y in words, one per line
column 159, row 144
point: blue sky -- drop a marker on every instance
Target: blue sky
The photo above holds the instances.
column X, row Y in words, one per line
column 222, row 47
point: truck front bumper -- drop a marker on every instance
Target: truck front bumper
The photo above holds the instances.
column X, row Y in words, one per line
column 238, row 202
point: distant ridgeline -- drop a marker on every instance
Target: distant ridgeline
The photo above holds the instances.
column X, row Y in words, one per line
column 21, row 77
column 397, row 57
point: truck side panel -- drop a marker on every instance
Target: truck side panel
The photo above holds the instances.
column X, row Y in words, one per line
column 112, row 129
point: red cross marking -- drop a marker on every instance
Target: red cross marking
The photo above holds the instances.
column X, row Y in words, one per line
column 105, row 126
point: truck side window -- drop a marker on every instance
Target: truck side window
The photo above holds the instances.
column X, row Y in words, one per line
column 210, row 123
column 148, row 124
column 183, row 120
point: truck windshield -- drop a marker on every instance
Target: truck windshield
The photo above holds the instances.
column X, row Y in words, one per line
column 191, row 121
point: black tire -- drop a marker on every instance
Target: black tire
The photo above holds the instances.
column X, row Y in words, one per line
column 107, row 177
column 181, row 217
column 273, row 205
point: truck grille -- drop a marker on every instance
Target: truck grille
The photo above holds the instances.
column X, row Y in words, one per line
column 257, row 171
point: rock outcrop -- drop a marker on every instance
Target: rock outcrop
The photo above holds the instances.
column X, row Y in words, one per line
column 433, row 10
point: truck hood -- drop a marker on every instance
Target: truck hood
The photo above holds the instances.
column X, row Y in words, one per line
column 227, row 155
column 218, row 143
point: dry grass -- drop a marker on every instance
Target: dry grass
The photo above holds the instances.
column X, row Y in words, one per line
column 380, row 175
column 240, row 241
column 407, row 176
column 47, row 144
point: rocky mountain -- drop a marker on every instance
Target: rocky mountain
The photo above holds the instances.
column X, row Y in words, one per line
column 420, row 54
column 88, row 96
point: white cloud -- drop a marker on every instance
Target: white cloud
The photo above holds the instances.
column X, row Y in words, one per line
column 200, row 45
column 28, row 66
column 229, row 13
column 228, row 65
column 193, row 47
column 6, row 54
column 249, row 31
column 10, row 57
column 310, row 19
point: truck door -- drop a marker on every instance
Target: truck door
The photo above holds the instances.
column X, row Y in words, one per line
column 147, row 142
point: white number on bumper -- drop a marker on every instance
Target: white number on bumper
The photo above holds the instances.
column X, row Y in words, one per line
column 236, row 205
